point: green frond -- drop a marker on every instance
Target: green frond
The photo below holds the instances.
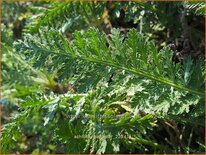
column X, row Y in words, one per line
column 66, row 16
column 134, row 55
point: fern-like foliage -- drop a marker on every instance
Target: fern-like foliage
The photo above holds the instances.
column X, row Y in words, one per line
column 95, row 53
column 124, row 87
column 134, row 55
column 95, row 92
column 66, row 16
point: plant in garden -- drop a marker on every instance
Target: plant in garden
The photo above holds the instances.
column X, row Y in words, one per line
column 100, row 93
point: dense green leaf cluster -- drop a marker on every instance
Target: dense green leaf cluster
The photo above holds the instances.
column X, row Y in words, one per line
column 146, row 86
column 97, row 92
column 134, row 55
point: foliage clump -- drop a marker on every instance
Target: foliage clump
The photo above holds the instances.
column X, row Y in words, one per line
column 97, row 88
